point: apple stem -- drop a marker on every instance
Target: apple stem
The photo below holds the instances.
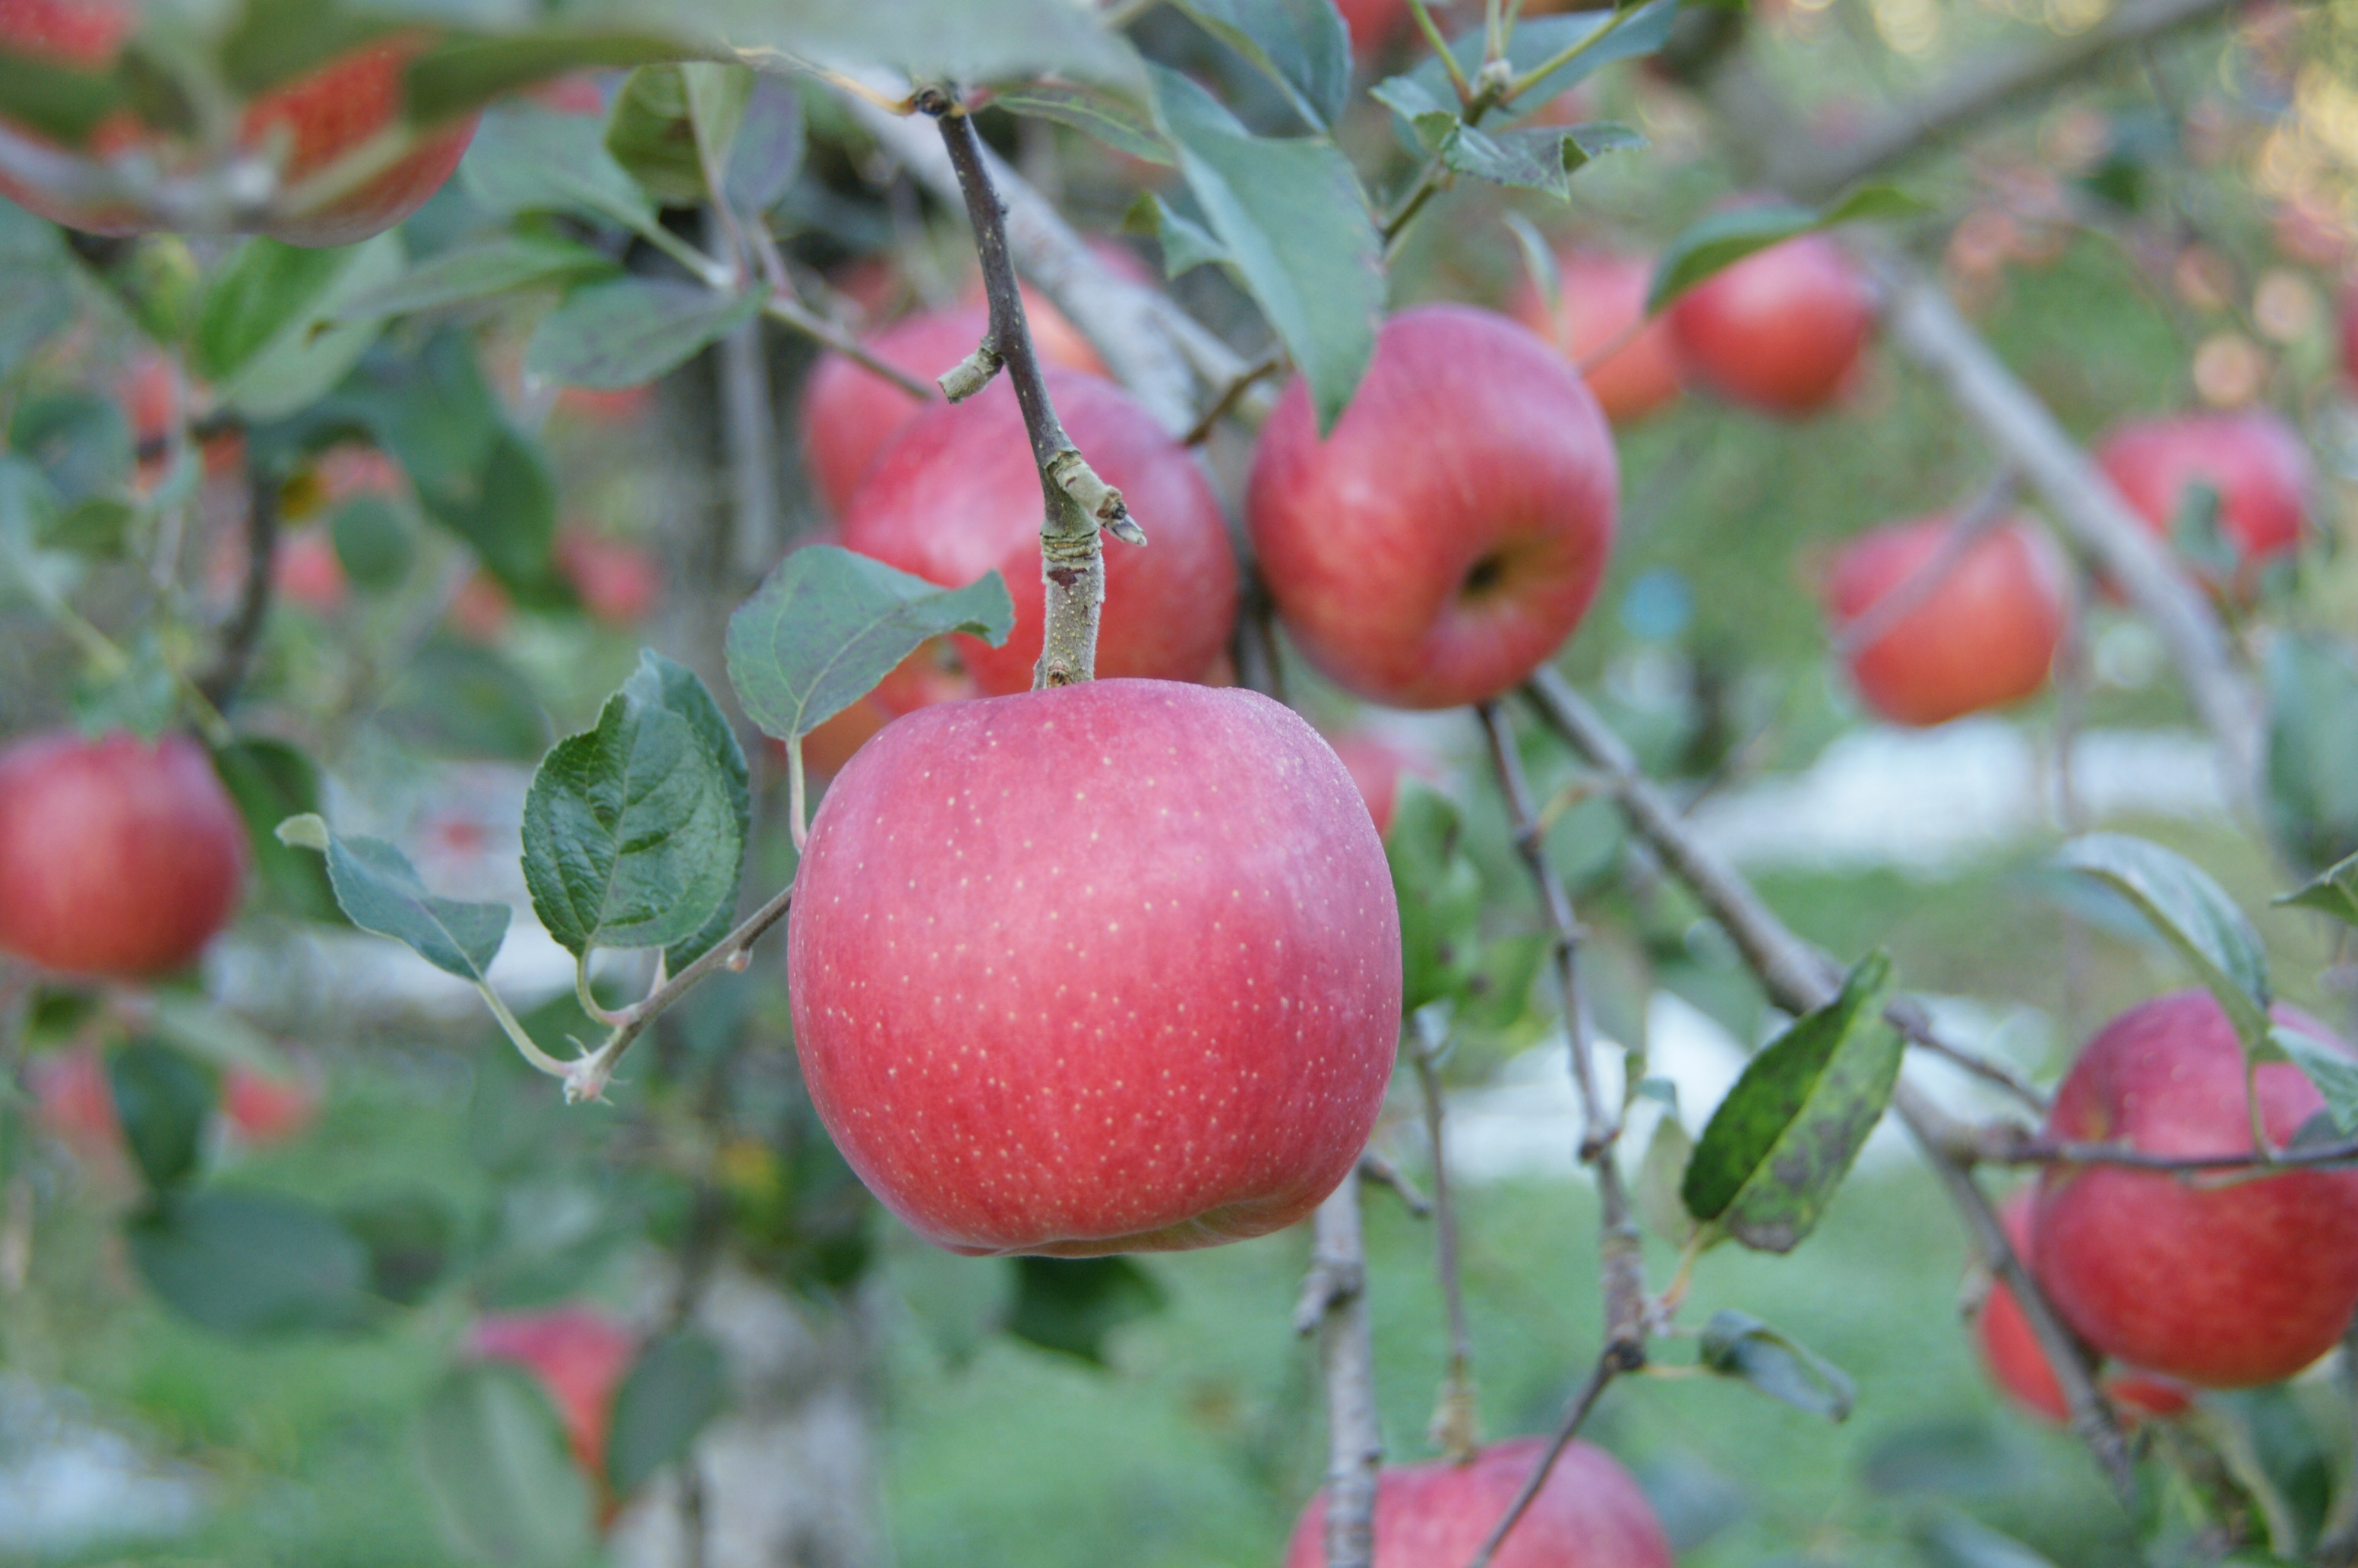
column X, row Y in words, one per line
column 1798, row 979
column 797, row 827
column 1080, row 507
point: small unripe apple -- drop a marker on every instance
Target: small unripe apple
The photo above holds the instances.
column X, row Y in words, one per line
column 1447, row 535
column 956, row 495
column 2223, row 1286
column 1602, row 299
column 1590, row 1513
column 263, row 1110
column 1983, row 636
column 850, row 413
column 329, row 113
column 119, row 859
column 2254, row 459
column 579, row 1355
column 2020, row 1368
column 1781, row 330
column 1107, row 967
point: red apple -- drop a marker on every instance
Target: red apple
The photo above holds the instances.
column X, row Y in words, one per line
column 1372, row 23
column 957, row 495
column 2011, row 1351
column 312, row 124
column 307, row 572
column 119, row 859
column 1448, row 535
column 2254, row 459
column 1590, row 1513
column 1604, row 296
column 2225, row 1286
column 151, row 403
column 1983, row 636
column 579, row 1356
column 480, row 610
column 1781, row 330
column 75, row 1100
column 1110, row 967
column 1377, row 766
column 263, row 1110
column 850, row 413
column 617, row 580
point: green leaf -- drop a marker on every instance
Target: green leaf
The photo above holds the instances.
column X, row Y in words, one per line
column 250, row 1263
column 1440, row 895
column 379, row 891
column 98, row 526
column 1540, row 159
column 1295, row 226
column 1720, row 241
column 2195, row 532
column 2333, row 891
column 768, row 153
column 500, row 265
column 1950, row 1540
column 1640, row 31
column 164, row 1101
column 2310, row 801
column 683, row 693
column 503, row 1482
column 37, row 295
column 317, row 345
column 2333, row 1070
column 143, row 697
column 373, row 542
column 1300, row 45
column 266, row 285
column 2190, row 912
column 525, row 159
column 672, row 1390
column 629, row 331
column 1658, row 1176
column 214, row 1035
column 1071, row 1304
column 1783, row 1138
column 939, row 40
column 632, row 836
column 459, row 700
column 549, row 1237
column 667, row 116
column 410, row 1237
column 64, row 105
column 1186, row 244
column 82, row 443
column 1110, row 121
column 826, row 626
column 463, row 73
column 1736, row 1345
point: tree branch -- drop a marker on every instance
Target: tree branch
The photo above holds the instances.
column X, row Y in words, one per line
column 1456, row 1427
column 220, row 685
column 1335, row 1304
column 1984, row 513
column 1583, row 1400
column 1974, row 93
column 1800, row 980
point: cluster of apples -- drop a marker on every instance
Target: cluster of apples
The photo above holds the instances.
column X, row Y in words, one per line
column 2182, row 1285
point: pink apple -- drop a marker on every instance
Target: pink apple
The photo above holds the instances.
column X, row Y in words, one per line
column 2225, row 1286
column 579, row 1355
column 308, row 571
column 1780, row 331
column 1443, row 541
column 956, row 495
column 2020, row 1366
column 263, row 1110
column 1110, row 967
column 119, row 859
column 1603, row 297
column 618, row 579
column 1590, row 1513
column 1983, row 636
column 2255, row 462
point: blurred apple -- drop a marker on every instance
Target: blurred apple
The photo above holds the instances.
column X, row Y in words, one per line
column 617, row 580
column 1604, row 302
column 579, row 1355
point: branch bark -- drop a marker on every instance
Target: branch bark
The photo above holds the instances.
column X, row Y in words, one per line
column 1334, row 1304
column 219, row 684
column 1798, row 979
column 1974, row 93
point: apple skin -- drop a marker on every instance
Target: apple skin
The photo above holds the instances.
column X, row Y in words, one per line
column 324, row 116
column 579, row 1356
column 1107, row 967
column 1603, row 295
column 1983, row 637
column 2019, row 1368
column 2223, row 1287
column 850, row 413
column 1780, row 331
column 119, row 859
column 1372, row 24
column 1449, row 534
column 956, row 495
column 2254, row 459
column 1590, row 1513
column 618, row 580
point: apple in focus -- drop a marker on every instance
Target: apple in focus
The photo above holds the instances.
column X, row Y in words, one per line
column 1107, row 967
column 1448, row 535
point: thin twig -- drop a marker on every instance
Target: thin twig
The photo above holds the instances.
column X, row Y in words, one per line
column 2337, row 1537
column 1272, row 360
column 787, row 310
column 2004, row 1143
column 220, row 685
column 1800, row 980
column 1456, row 1427
column 1374, row 1167
column 749, row 438
column 1968, row 528
column 1583, row 1400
